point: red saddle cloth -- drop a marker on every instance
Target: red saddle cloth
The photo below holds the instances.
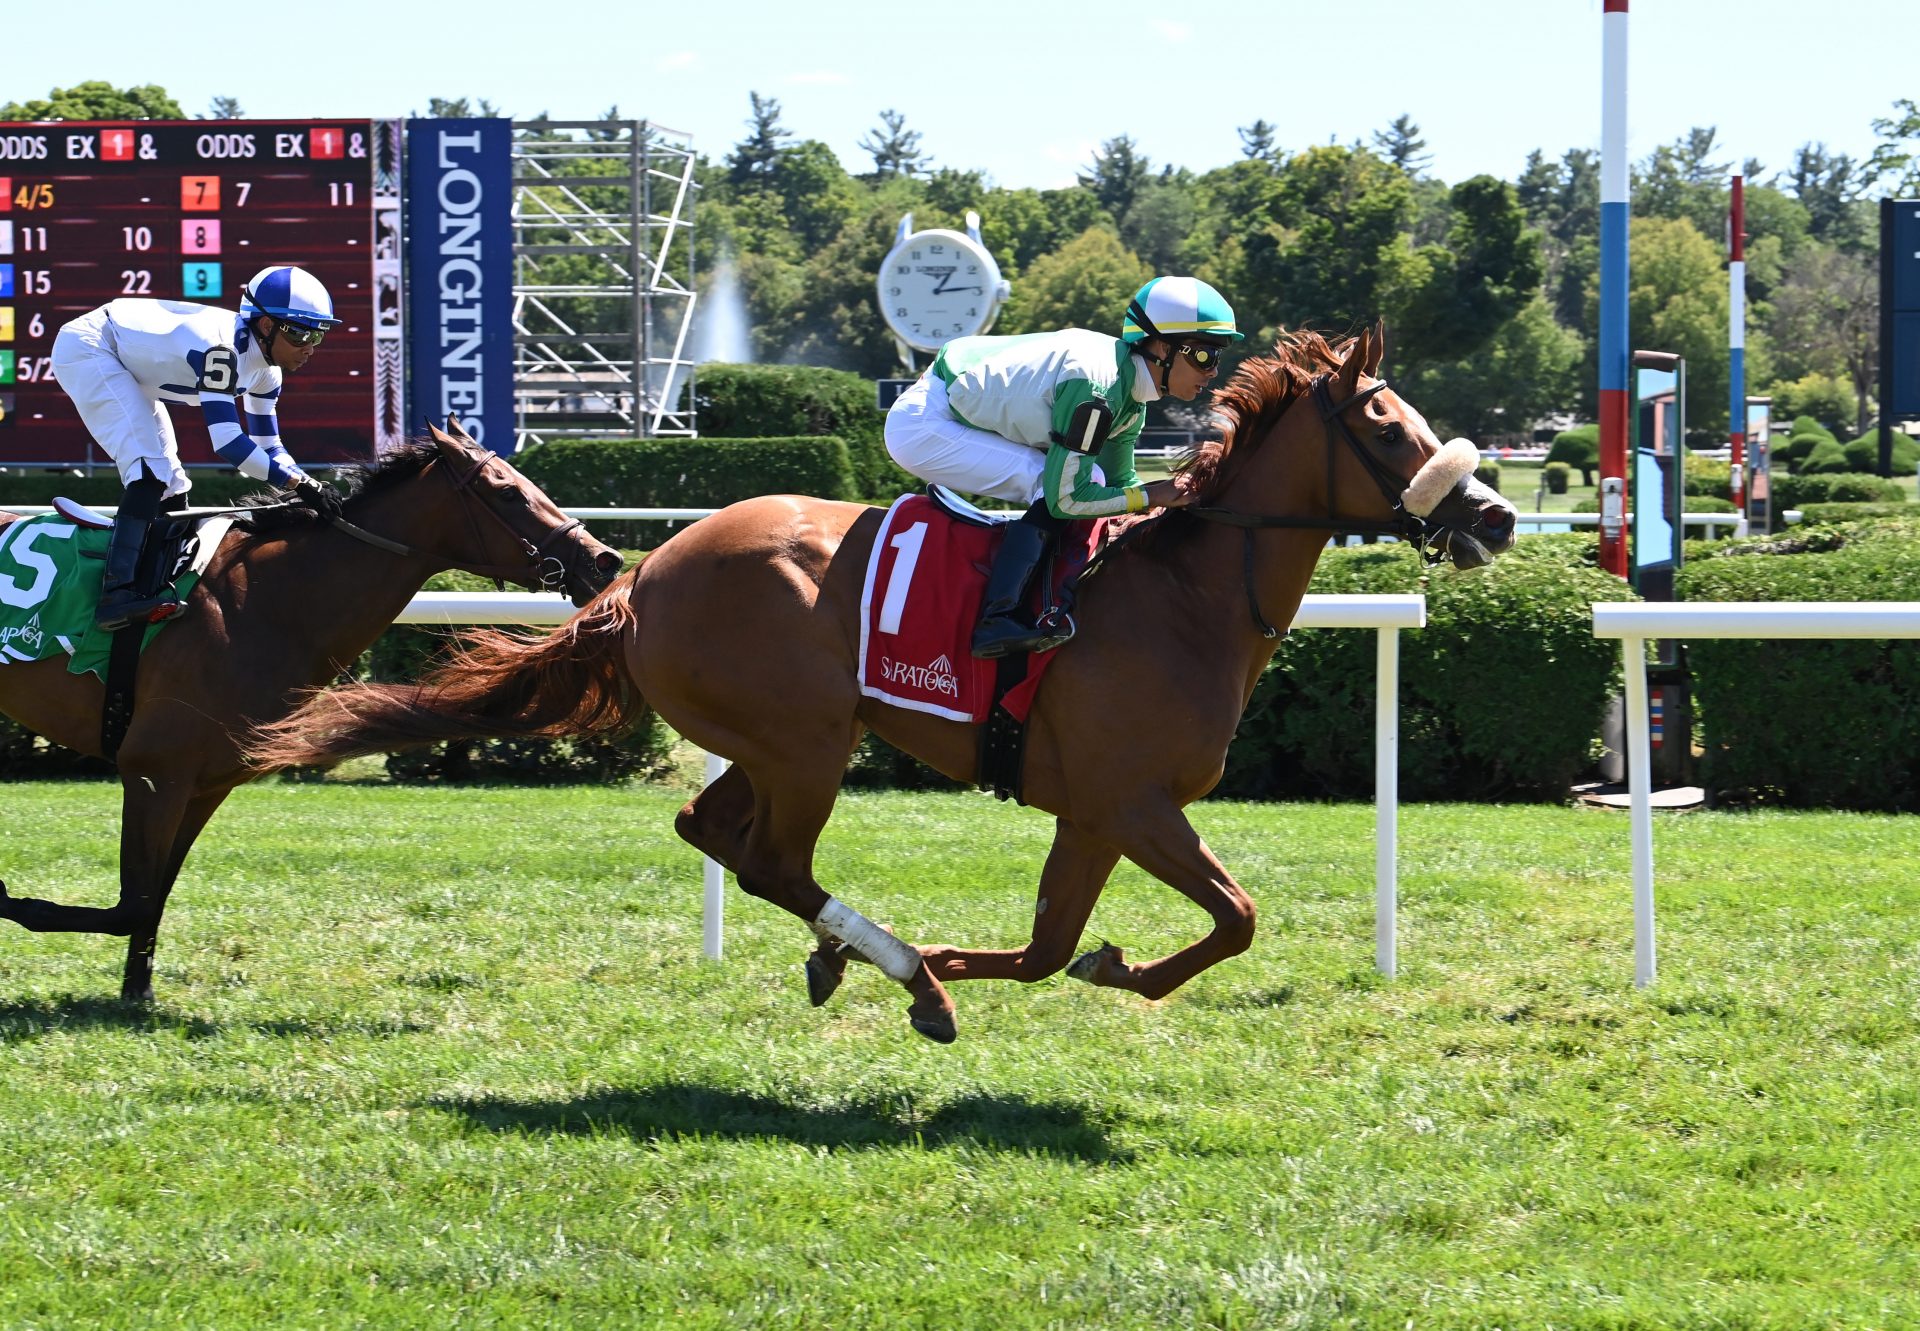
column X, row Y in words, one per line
column 925, row 582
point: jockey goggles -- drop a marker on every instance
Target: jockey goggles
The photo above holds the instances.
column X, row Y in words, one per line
column 300, row 335
column 1201, row 355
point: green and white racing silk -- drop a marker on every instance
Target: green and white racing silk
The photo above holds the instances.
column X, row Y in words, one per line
column 1026, row 389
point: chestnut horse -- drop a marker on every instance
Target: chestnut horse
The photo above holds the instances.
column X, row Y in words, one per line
column 741, row 632
column 280, row 609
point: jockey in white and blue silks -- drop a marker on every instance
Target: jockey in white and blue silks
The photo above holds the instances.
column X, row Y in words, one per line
column 120, row 363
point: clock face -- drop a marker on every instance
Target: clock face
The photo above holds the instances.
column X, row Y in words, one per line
column 935, row 286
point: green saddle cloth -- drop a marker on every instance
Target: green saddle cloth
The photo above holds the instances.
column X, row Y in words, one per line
column 50, row 575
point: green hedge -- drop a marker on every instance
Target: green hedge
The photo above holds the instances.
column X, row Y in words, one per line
column 756, row 401
column 1578, row 448
column 1501, row 694
column 682, row 473
column 1827, row 724
column 1847, row 487
column 102, row 489
column 1813, row 514
column 1863, row 454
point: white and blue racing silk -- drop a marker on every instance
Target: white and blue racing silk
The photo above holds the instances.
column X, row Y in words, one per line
column 186, row 353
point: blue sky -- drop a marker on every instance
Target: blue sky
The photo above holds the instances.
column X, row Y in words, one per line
column 1026, row 91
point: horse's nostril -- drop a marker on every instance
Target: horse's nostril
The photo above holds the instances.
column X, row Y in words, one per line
column 1496, row 517
column 607, row 562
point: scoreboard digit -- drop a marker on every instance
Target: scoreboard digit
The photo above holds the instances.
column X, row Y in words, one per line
column 93, row 211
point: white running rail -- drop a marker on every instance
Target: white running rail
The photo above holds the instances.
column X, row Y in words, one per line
column 1635, row 622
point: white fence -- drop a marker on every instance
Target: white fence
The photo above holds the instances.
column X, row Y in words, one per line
column 1385, row 614
column 1633, row 623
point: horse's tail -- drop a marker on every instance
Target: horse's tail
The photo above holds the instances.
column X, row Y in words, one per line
column 569, row 683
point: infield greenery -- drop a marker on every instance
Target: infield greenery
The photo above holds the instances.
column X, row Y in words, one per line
column 451, row 1058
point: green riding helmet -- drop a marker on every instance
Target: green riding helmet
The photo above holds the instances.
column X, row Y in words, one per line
column 1181, row 309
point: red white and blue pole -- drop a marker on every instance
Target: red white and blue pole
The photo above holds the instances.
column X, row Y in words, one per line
column 1737, row 342
column 1615, row 359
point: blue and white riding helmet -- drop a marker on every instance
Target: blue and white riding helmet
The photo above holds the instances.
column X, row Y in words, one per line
column 291, row 295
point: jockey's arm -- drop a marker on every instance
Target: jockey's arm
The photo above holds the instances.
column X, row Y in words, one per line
column 253, row 448
column 1068, row 483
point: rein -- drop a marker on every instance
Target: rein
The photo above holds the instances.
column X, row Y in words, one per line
column 1408, row 526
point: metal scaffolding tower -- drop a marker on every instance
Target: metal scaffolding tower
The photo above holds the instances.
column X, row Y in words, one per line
column 603, row 279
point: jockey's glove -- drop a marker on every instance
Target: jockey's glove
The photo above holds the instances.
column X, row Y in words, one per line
column 320, row 497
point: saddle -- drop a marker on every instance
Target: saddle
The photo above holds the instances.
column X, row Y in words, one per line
column 181, row 543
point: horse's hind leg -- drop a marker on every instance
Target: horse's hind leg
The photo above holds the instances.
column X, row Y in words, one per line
column 776, row 864
column 1075, row 874
column 716, row 821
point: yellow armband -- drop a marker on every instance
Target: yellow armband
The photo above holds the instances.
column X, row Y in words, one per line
column 1136, row 498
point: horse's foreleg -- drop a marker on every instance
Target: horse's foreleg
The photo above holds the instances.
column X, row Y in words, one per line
column 1164, row 843
column 136, row 981
column 1076, row 872
column 776, row 864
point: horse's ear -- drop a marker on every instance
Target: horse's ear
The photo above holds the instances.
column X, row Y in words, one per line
column 1359, row 351
column 453, row 440
column 1377, row 350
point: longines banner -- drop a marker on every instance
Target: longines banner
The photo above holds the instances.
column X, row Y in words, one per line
column 460, row 277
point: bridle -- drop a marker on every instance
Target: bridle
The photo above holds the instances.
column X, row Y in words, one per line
column 542, row 571
column 1408, row 526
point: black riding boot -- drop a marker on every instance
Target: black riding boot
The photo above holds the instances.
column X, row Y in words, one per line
column 126, row 597
column 1005, row 628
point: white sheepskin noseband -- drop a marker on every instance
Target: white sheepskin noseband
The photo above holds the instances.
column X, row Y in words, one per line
column 1456, row 460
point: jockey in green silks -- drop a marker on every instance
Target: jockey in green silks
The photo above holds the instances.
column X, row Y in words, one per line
column 1050, row 420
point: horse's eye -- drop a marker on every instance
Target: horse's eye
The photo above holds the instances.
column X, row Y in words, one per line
column 1394, row 433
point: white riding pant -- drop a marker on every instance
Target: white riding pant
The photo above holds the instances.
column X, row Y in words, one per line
column 925, row 439
column 130, row 425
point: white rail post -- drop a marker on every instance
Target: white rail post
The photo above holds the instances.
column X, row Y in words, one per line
column 713, row 900
column 1386, row 801
column 1640, row 800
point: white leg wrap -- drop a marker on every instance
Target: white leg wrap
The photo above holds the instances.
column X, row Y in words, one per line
column 896, row 957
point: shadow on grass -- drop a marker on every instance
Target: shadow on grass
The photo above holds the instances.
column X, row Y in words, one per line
column 32, row 1019
column 680, row 1109
column 41, row 1016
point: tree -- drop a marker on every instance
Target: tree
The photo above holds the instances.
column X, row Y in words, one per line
column 1116, row 175
column 1400, row 143
column 1086, row 283
column 1160, row 221
column 224, row 108
column 895, row 148
column 1525, row 371
column 752, row 159
column 816, row 195
column 1452, row 299
column 1830, row 186
column 1898, row 153
column 98, row 100
column 1256, row 142
column 459, row 108
column 1825, row 320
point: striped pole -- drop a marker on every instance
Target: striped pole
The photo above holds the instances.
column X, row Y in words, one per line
column 1737, row 342
column 1614, row 358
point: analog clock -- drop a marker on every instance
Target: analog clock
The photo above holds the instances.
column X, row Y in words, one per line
column 937, row 285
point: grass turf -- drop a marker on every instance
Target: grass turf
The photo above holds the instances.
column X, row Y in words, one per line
column 427, row 1058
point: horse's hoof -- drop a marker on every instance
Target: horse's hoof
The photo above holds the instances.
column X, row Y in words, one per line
column 940, row 1030
column 1087, row 966
column 824, row 974
column 138, row 997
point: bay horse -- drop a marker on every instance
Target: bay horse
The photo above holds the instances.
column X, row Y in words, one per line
column 280, row 609
column 741, row 632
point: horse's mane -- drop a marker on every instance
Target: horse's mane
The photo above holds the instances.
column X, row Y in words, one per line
column 1246, row 407
column 399, row 463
